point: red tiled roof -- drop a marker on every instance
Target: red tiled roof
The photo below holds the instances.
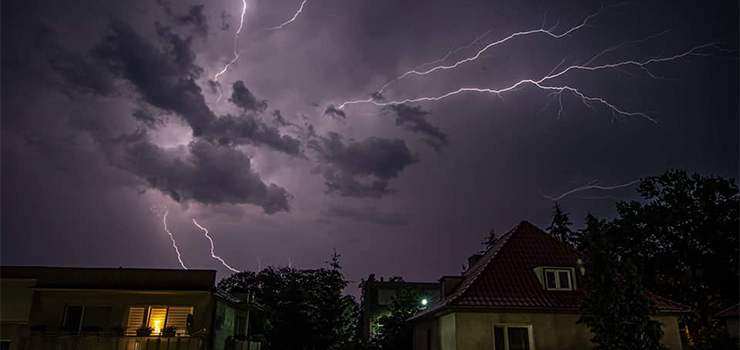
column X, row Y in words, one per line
column 505, row 275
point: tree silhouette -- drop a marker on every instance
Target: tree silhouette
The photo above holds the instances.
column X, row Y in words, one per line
column 304, row 309
column 684, row 237
column 560, row 226
column 615, row 307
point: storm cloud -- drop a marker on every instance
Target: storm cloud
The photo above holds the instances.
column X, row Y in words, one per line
column 242, row 97
column 165, row 78
column 207, row 173
column 361, row 169
column 194, row 17
column 414, row 120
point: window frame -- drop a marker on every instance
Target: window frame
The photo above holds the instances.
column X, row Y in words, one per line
column 65, row 318
column 80, row 326
column 557, row 271
column 147, row 318
column 506, row 326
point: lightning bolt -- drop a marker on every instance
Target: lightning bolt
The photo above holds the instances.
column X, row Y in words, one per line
column 172, row 238
column 449, row 53
column 236, row 52
column 559, row 89
column 477, row 55
column 300, row 9
column 213, row 254
column 591, row 186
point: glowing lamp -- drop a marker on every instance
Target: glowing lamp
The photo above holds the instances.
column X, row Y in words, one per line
column 424, row 302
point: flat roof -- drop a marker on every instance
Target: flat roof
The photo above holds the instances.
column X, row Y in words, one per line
column 113, row 278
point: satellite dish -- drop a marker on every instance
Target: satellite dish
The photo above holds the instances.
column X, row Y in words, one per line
column 189, row 324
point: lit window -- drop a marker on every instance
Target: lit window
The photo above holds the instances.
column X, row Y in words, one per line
column 558, row 279
column 512, row 337
column 158, row 317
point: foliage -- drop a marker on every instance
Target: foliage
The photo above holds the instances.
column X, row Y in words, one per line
column 615, row 307
column 393, row 330
column 560, row 227
column 490, row 240
column 304, row 309
column 684, row 237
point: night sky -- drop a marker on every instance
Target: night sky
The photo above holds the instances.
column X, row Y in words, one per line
column 111, row 117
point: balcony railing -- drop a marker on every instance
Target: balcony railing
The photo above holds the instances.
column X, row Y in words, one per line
column 111, row 342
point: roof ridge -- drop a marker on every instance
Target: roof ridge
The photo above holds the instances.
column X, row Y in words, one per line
column 549, row 236
column 484, row 261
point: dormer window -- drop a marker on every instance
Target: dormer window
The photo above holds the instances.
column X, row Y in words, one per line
column 558, row 279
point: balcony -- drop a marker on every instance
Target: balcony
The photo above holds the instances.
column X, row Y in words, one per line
column 104, row 341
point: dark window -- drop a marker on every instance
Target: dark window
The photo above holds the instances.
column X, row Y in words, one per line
column 550, row 279
column 564, row 280
column 4, row 344
column 498, row 338
column 96, row 318
column 518, row 338
column 510, row 338
column 72, row 318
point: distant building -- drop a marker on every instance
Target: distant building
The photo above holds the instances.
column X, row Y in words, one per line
column 522, row 294
column 118, row 309
column 376, row 295
column 731, row 318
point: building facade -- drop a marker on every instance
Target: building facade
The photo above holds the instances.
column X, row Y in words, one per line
column 524, row 293
column 116, row 309
column 376, row 296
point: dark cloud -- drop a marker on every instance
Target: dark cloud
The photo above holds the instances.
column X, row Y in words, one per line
column 361, row 169
column 414, row 119
column 165, row 78
column 279, row 120
column 377, row 96
column 347, row 185
column 242, row 97
column 205, row 173
column 248, row 129
column 148, row 117
column 194, row 17
column 335, row 112
column 368, row 214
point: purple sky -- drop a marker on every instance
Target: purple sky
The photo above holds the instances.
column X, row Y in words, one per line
column 109, row 115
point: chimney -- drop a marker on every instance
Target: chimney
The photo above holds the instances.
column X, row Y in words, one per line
column 449, row 283
column 474, row 259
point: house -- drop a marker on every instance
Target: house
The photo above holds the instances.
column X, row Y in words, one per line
column 731, row 319
column 376, row 295
column 117, row 309
column 522, row 294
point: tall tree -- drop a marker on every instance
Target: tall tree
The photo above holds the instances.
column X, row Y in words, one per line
column 394, row 330
column 684, row 236
column 560, row 226
column 615, row 308
column 305, row 309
